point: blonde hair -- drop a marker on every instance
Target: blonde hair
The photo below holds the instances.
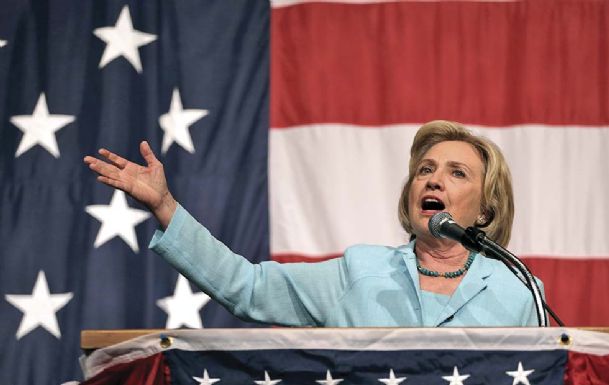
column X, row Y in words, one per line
column 497, row 203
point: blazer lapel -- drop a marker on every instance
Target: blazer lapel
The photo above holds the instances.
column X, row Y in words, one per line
column 472, row 284
column 409, row 258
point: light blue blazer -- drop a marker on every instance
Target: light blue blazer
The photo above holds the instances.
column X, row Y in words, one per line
column 368, row 286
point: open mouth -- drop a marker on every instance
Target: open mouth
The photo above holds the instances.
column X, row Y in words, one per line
column 432, row 204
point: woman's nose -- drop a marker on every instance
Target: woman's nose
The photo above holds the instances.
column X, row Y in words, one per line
column 435, row 182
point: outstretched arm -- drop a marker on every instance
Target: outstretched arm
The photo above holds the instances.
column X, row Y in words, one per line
column 147, row 184
column 296, row 294
column 267, row 292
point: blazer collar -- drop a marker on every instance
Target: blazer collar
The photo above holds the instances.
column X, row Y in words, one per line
column 471, row 285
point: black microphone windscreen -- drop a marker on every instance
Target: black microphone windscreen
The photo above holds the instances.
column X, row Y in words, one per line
column 436, row 221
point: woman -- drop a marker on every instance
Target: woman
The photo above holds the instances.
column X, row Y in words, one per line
column 428, row 282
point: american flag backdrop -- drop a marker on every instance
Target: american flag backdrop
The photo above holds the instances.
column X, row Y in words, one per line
column 284, row 127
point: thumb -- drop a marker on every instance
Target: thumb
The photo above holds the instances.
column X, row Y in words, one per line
column 147, row 153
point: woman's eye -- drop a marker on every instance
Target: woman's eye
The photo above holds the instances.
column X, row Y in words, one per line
column 459, row 173
column 425, row 170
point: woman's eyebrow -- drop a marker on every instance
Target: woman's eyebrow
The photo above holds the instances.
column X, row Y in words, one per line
column 454, row 163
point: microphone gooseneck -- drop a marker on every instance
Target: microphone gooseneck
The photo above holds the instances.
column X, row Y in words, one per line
column 442, row 225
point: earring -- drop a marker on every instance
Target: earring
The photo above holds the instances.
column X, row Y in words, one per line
column 481, row 220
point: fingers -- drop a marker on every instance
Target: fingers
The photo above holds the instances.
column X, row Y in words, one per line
column 147, row 153
column 111, row 169
column 102, row 168
column 120, row 162
column 89, row 159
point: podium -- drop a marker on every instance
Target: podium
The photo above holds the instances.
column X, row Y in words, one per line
column 345, row 356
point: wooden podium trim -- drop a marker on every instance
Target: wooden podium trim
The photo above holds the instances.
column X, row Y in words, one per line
column 96, row 339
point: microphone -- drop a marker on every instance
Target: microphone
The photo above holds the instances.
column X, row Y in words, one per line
column 442, row 225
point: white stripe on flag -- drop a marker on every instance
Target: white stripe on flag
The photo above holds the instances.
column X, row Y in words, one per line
column 335, row 185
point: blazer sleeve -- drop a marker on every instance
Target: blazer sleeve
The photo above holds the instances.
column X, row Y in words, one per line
column 293, row 294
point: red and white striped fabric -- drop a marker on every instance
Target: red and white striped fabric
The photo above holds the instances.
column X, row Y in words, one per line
column 353, row 81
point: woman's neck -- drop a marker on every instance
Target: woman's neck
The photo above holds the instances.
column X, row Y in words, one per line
column 439, row 253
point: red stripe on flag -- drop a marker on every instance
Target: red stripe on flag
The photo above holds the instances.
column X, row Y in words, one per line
column 152, row 370
column 485, row 63
column 570, row 283
column 295, row 258
column 586, row 369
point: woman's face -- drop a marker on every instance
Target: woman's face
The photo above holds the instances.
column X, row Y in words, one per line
column 448, row 178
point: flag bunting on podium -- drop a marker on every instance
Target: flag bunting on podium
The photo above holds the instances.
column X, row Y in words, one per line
column 360, row 357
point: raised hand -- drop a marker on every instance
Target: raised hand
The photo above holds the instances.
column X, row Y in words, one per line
column 147, row 184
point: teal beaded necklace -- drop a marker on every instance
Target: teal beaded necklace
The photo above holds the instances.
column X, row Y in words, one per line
column 450, row 274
